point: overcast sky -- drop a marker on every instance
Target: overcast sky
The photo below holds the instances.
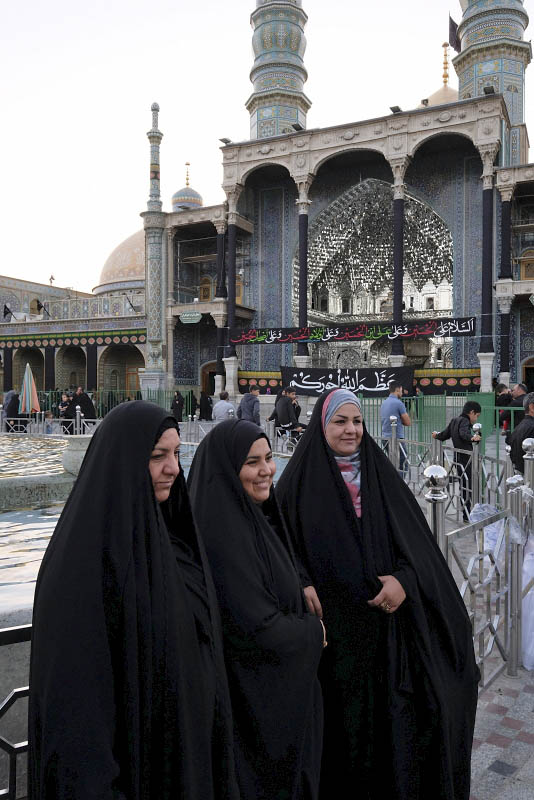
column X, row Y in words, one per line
column 78, row 80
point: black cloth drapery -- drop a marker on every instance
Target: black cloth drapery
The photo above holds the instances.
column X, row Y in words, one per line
column 272, row 645
column 128, row 694
column 399, row 690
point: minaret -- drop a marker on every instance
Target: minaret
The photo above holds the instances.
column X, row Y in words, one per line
column 154, row 136
column 278, row 103
column 494, row 55
column 153, row 376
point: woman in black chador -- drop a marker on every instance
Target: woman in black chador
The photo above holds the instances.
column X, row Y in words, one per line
column 272, row 645
column 399, row 676
column 128, row 693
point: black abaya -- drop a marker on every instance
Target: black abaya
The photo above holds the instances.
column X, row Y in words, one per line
column 128, row 693
column 400, row 690
column 272, row 645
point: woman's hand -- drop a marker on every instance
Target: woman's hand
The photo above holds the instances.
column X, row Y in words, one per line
column 391, row 596
column 314, row 605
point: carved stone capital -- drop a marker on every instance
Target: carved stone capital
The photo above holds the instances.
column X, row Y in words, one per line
column 399, row 167
column 233, row 193
column 220, row 225
column 151, row 220
column 505, row 304
column 487, row 154
column 507, row 192
column 303, row 183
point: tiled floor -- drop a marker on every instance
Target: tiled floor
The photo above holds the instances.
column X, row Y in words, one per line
column 503, row 749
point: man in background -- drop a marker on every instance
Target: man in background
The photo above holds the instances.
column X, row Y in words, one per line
column 249, row 407
column 223, row 409
column 394, row 407
column 525, row 430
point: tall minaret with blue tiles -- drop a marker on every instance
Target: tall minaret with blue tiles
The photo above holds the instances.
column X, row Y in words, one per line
column 278, row 103
column 494, row 54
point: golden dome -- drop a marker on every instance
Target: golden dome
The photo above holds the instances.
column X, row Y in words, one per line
column 126, row 264
column 444, row 95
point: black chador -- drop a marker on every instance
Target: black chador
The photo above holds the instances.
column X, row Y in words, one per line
column 400, row 690
column 272, row 645
column 128, row 693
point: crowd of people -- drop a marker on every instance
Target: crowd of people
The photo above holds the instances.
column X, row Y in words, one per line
column 227, row 640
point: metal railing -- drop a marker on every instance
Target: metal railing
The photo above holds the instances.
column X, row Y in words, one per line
column 489, row 578
column 39, row 424
column 13, row 750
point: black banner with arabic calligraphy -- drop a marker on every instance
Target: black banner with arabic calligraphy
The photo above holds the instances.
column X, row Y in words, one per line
column 367, row 382
column 360, row 331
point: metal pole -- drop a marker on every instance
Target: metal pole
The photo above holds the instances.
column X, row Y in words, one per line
column 394, row 443
column 528, row 461
column 436, row 480
column 514, row 486
column 1, row 418
column 475, row 468
column 436, row 452
column 508, row 473
column 77, row 424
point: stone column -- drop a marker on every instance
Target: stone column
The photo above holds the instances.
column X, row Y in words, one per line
column 303, row 359
column 399, row 167
column 505, row 273
column 170, row 266
column 220, row 289
column 8, row 368
column 50, row 368
column 233, row 196
column 505, row 307
column 220, row 321
column 91, row 362
column 486, row 353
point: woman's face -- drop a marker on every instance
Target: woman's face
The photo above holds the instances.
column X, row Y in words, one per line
column 345, row 430
column 257, row 472
column 163, row 464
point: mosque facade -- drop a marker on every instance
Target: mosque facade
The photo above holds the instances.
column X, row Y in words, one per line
column 421, row 213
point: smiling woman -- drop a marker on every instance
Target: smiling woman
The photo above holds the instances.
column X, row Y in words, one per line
column 272, row 645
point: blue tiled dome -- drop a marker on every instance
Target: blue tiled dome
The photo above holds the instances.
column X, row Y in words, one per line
column 186, row 198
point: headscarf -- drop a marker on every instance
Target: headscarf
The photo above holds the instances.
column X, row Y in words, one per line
column 429, row 639
column 117, row 689
column 272, row 645
column 349, row 466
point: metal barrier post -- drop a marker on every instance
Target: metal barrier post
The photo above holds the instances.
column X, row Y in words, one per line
column 508, row 473
column 475, row 468
column 528, row 461
column 269, row 430
column 188, row 427
column 1, row 418
column 514, row 486
column 436, row 451
column 77, row 423
column 394, row 443
column 196, row 429
column 436, row 480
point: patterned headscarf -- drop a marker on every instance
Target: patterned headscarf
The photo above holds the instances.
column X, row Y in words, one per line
column 349, row 466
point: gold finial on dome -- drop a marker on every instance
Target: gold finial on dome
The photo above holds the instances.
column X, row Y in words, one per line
column 187, row 165
column 445, row 46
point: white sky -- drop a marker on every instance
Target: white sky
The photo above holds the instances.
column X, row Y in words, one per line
column 78, row 80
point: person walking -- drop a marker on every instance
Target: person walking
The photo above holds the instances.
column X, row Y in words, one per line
column 525, row 430
column 206, row 405
column 394, row 407
column 249, row 407
column 286, row 411
column 177, row 407
column 459, row 430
